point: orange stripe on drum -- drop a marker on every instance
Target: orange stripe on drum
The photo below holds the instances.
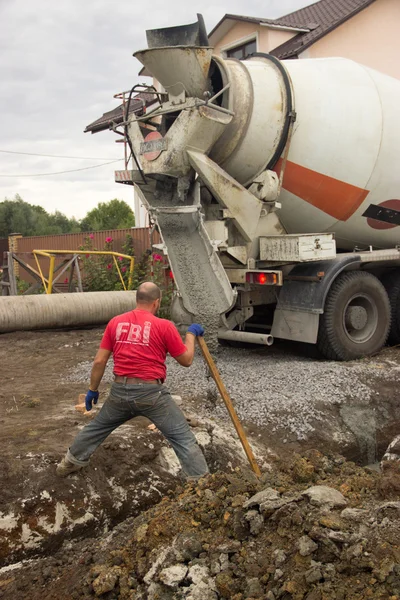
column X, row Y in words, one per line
column 334, row 197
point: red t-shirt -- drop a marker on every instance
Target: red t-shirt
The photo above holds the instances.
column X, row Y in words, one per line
column 140, row 342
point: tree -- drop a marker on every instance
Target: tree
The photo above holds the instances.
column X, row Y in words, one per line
column 115, row 214
column 18, row 216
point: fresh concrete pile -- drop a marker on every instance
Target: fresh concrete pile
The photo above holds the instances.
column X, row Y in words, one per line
column 340, row 406
column 313, row 528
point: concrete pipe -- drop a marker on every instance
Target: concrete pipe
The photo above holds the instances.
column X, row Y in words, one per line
column 264, row 339
column 62, row 310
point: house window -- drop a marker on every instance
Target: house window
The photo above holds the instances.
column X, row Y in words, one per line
column 242, row 51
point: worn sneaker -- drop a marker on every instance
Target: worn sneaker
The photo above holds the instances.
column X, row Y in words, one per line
column 66, row 467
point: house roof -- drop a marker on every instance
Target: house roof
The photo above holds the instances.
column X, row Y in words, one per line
column 325, row 16
column 228, row 20
column 116, row 115
column 311, row 23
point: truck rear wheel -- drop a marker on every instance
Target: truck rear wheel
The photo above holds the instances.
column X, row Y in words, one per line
column 356, row 317
column 392, row 285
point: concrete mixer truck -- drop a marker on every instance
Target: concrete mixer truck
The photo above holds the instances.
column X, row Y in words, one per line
column 275, row 186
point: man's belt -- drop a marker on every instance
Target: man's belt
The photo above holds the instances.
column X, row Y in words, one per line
column 133, row 380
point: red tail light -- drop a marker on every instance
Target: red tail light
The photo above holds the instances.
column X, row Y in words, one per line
column 262, row 278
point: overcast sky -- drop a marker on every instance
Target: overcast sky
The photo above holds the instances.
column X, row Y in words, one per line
column 60, row 64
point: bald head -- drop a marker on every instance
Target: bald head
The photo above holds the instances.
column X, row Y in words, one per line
column 147, row 293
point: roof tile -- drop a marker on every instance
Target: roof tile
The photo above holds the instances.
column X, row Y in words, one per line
column 328, row 14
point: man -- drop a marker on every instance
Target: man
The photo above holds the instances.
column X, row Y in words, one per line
column 139, row 342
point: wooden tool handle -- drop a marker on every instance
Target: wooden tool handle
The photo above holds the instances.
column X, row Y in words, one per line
column 228, row 403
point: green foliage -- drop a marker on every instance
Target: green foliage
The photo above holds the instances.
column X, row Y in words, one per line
column 18, row 216
column 100, row 274
column 115, row 214
column 22, row 286
column 99, row 271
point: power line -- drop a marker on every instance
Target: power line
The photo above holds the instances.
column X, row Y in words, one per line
column 55, row 155
column 62, row 172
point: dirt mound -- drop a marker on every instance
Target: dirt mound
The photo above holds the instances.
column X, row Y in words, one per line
column 313, row 528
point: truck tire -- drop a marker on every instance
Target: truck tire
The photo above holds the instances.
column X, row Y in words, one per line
column 392, row 285
column 356, row 318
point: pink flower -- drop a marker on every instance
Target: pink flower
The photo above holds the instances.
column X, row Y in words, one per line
column 157, row 257
column 109, row 240
column 123, row 269
column 120, row 258
column 109, row 266
column 66, row 280
column 91, row 236
column 87, row 255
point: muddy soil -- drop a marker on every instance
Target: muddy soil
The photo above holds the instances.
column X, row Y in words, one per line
column 43, row 516
column 314, row 527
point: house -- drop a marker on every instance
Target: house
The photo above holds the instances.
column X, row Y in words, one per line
column 363, row 30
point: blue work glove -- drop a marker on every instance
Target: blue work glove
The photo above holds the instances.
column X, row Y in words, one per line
column 196, row 329
column 91, row 397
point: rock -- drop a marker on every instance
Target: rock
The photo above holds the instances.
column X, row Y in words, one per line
column 140, row 532
column 261, row 497
column 270, row 596
column 354, row 551
column 390, row 510
column 209, row 495
column 393, row 450
column 278, row 574
column 322, row 495
column 268, row 501
column 313, row 575
column 187, row 546
column 226, row 585
column 303, row 470
column 279, row 557
column 331, row 521
column 229, row 547
column 224, row 562
column 354, row 514
column 384, row 570
column 202, row 591
column 255, row 520
column 198, row 573
column 215, row 566
column 106, row 581
column 172, row 576
column 155, row 591
column 306, row 546
column 341, row 537
column 241, row 528
column 163, row 558
column 329, row 572
column 254, row 588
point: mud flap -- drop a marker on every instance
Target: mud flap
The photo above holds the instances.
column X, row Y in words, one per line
column 302, row 298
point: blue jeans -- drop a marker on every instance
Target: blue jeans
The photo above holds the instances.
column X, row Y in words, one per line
column 145, row 400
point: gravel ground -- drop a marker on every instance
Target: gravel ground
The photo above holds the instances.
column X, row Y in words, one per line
column 272, row 388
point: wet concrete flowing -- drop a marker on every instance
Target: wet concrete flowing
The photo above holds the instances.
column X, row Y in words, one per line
column 199, row 275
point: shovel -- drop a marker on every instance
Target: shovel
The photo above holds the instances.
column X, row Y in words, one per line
column 228, row 403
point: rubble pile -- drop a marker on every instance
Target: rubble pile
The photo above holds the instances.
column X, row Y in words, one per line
column 312, row 528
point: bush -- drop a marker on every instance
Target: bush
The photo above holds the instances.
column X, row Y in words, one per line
column 99, row 273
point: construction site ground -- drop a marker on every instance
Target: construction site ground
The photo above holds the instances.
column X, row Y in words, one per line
column 117, row 530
